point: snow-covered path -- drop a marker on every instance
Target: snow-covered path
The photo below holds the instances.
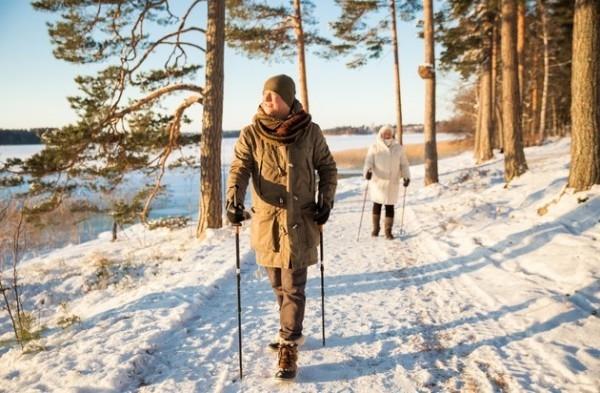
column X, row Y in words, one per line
column 482, row 294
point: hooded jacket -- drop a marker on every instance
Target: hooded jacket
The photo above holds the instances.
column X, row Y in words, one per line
column 283, row 170
column 389, row 165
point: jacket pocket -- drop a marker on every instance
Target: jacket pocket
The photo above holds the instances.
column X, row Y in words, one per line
column 264, row 230
column 310, row 228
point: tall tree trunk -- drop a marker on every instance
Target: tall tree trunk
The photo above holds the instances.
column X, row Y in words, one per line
column 484, row 141
column 477, row 141
column 496, row 118
column 396, row 72
column 535, row 94
column 545, row 84
column 521, row 48
column 514, row 157
column 585, row 94
column 301, row 56
column 554, row 117
column 212, row 120
column 431, row 160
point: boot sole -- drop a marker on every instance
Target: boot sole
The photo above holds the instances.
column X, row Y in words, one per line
column 281, row 379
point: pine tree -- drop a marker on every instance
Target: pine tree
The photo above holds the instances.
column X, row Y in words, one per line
column 546, row 80
column 145, row 49
column 546, row 92
column 431, row 162
column 367, row 41
column 210, row 211
column 514, row 157
column 585, row 107
column 467, row 34
column 274, row 33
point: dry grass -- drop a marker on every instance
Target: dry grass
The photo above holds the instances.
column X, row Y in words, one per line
column 354, row 158
column 59, row 226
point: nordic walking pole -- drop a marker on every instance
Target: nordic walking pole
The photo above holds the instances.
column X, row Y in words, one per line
column 363, row 210
column 238, row 271
column 320, row 202
column 403, row 202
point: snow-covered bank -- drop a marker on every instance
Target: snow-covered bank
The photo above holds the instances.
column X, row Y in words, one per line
column 483, row 294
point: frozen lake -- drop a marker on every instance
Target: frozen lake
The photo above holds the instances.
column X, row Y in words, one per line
column 183, row 184
column 336, row 143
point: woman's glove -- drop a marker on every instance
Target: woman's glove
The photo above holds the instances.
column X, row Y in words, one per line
column 368, row 175
column 406, row 182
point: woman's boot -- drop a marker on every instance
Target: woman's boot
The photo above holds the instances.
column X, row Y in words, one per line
column 376, row 219
column 388, row 223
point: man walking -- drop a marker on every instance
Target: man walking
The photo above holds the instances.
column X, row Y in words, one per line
column 281, row 151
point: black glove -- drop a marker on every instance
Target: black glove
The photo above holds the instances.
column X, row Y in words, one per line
column 368, row 175
column 235, row 214
column 406, row 182
column 322, row 214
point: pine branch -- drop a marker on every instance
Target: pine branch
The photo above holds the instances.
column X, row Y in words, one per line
column 153, row 96
column 174, row 132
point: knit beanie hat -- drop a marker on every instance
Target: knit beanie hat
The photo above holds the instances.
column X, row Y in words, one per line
column 282, row 85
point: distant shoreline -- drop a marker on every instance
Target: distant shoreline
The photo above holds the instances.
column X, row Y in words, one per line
column 33, row 136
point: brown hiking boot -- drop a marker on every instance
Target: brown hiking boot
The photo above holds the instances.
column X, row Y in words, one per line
column 288, row 356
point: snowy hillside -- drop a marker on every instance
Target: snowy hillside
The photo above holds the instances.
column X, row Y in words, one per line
column 492, row 289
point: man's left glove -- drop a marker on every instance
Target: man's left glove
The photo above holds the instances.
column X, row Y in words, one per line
column 235, row 214
column 322, row 214
column 406, row 182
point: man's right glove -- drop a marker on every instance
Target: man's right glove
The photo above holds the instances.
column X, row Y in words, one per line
column 235, row 214
column 322, row 214
column 406, row 182
column 368, row 175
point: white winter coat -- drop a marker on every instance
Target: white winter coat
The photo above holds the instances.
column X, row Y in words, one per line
column 389, row 166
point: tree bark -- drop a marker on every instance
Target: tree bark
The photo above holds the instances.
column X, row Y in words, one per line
column 514, row 157
column 534, row 115
column 431, row 159
column 396, row 72
column 477, row 143
column 301, row 55
column 483, row 146
column 545, row 83
column 521, row 47
column 585, row 93
column 496, row 119
column 210, row 211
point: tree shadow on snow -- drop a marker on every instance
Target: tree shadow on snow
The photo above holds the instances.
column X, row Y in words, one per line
column 515, row 245
column 429, row 358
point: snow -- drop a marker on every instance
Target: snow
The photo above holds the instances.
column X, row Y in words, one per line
column 482, row 294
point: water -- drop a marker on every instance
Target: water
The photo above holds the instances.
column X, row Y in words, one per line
column 183, row 184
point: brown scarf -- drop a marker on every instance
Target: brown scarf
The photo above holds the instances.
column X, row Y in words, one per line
column 282, row 131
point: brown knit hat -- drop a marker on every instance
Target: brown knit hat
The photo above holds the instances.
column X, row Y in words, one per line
column 282, row 85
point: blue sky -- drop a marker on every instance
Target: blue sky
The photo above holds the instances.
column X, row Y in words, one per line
column 34, row 85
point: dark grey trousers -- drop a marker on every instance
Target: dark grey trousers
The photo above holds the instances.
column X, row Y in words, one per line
column 288, row 286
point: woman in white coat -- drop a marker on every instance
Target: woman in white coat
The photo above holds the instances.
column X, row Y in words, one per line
column 385, row 165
